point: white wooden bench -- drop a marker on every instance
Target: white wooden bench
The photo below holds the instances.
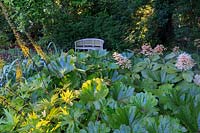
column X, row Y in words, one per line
column 89, row 44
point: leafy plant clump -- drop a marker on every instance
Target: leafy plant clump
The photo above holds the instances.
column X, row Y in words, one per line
column 101, row 92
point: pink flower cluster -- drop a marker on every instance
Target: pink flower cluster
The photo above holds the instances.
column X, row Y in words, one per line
column 184, row 62
column 148, row 50
column 176, row 49
column 122, row 61
column 196, row 79
column 159, row 49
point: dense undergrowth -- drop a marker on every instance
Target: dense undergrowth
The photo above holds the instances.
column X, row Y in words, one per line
column 100, row 91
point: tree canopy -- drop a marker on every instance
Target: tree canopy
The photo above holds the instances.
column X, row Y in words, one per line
column 122, row 24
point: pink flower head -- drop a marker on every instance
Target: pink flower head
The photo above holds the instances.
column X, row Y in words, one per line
column 196, row 79
column 117, row 56
column 184, row 62
column 123, row 62
column 176, row 49
column 147, row 49
column 159, row 49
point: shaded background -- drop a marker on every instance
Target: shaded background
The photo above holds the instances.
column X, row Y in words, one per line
column 123, row 24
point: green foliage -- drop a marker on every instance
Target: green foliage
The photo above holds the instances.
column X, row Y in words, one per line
column 93, row 90
column 121, row 24
column 62, row 65
column 164, row 124
column 3, row 40
column 188, row 76
column 186, row 107
column 136, row 128
column 7, row 72
column 120, row 92
column 89, row 92
column 9, row 123
column 96, row 127
column 126, row 115
column 145, row 102
column 5, row 33
column 123, row 129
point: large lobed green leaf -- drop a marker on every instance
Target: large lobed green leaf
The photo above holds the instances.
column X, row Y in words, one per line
column 93, row 90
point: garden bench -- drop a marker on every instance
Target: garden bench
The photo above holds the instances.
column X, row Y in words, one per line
column 89, row 44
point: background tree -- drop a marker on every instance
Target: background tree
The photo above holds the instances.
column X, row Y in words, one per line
column 122, row 24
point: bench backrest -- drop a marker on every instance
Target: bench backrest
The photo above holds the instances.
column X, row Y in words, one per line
column 89, row 44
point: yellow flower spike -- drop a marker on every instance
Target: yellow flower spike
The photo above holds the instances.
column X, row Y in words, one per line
column 37, row 47
column 67, row 96
column 2, row 63
column 19, row 73
column 39, row 51
column 20, row 42
column 25, row 50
